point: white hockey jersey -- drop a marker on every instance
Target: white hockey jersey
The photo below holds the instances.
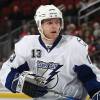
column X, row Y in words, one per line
column 56, row 64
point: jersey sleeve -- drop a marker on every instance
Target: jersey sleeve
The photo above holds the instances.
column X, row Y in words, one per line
column 15, row 65
column 86, row 71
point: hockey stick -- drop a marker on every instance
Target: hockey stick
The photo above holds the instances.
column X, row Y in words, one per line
column 55, row 92
column 63, row 96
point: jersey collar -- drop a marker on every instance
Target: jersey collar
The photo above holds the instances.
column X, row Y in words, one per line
column 54, row 44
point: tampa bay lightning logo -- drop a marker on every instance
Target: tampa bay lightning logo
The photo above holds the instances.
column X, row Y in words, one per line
column 53, row 73
column 52, row 77
column 50, row 72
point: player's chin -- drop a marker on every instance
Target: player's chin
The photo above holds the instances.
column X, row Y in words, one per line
column 54, row 35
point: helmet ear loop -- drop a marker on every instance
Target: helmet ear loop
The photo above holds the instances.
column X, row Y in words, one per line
column 41, row 31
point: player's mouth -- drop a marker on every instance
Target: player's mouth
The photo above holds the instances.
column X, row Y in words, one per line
column 54, row 32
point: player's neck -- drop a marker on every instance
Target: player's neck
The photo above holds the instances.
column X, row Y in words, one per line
column 48, row 42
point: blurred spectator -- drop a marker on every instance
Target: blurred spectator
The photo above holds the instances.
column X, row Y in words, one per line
column 71, row 13
column 5, row 43
column 8, row 24
column 32, row 31
column 84, row 27
column 96, row 27
column 24, row 30
column 4, row 26
column 96, row 33
column 70, row 29
column 16, row 16
column 88, row 37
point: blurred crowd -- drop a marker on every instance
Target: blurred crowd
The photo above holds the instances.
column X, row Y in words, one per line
column 16, row 22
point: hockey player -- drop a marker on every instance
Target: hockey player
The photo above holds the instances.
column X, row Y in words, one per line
column 51, row 66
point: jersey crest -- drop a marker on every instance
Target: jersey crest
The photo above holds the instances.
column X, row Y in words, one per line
column 50, row 71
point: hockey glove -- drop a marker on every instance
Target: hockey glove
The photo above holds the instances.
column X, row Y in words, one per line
column 89, row 80
column 30, row 84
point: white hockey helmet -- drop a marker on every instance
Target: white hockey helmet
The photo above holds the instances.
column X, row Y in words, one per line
column 47, row 12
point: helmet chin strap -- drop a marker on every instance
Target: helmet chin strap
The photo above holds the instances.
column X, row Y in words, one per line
column 43, row 35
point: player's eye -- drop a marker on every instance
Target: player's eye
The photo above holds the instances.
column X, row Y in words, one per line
column 49, row 22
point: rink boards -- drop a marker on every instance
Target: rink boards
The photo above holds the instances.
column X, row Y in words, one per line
column 13, row 96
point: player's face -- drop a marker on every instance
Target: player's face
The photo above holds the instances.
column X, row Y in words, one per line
column 51, row 28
